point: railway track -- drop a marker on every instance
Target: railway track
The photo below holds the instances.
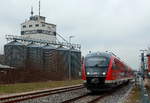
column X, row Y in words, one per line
column 83, row 98
column 70, row 94
column 91, row 99
column 94, row 97
column 38, row 94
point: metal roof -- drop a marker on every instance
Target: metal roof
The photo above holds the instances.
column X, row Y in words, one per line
column 75, row 50
column 62, row 49
column 5, row 66
column 49, row 47
column 21, row 38
column 34, row 45
column 14, row 43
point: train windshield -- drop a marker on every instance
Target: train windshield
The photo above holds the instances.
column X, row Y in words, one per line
column 97, row 62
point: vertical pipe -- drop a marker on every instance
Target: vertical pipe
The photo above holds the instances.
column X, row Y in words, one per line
column 70, row 63
column 70, row 58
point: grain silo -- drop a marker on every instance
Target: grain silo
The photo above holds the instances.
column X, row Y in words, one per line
column 49, row 57
column 15, row 54
column 34, row 56
column 63, row 61
column 75, row 63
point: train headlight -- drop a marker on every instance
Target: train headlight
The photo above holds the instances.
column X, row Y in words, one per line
column 88, row 73
column 104, row 73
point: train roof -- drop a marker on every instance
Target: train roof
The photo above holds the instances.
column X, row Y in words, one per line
column 105, row 54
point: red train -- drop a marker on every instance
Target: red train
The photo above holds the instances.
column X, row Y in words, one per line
column 103, row 70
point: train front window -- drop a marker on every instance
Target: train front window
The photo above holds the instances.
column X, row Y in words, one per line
column 96, row 62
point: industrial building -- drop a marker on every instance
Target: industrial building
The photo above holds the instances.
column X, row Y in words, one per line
column 38, row 48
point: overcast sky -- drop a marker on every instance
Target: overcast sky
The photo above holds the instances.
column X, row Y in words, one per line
column 120, row 26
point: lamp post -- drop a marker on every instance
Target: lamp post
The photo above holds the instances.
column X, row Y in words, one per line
column 145, row 98
column 70, row 56
column 143, row 61
column 70, row 38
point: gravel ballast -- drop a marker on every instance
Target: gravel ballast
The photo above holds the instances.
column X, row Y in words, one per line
column 119, row 96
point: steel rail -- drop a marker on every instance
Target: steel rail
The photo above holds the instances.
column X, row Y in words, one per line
column 98, row 98
column 74, row 99
column 84, row 96
column 37, row 94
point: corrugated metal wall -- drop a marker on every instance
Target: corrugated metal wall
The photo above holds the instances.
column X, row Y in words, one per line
column 48, row 57
column 75, row 63
column 34, row 56
column 15, row 54
column 62, row 61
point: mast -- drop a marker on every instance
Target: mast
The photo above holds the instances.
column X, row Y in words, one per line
column 39, row 7
column 31, row 11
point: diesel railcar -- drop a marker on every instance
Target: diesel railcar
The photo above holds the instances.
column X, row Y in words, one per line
column 103, row 70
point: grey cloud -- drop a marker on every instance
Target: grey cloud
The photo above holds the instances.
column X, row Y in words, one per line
column 121, row 26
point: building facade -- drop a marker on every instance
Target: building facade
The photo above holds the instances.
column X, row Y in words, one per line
column 37, row 28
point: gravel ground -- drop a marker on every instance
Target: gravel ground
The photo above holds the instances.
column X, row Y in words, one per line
column 118, row 96
column 134, row 96
column 87, row 99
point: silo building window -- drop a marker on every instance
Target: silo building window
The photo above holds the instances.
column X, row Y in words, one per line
column 30, row 25
column 39, row 31
column 37, row 25
column 24, row 26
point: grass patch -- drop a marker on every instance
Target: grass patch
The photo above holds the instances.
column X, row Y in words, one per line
column 24, row 87
column 134, row 96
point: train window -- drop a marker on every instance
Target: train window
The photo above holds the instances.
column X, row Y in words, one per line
column 113, row 65
column 96, row 61
column 117, row 65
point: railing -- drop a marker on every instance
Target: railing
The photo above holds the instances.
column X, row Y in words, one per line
column 25, row 39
